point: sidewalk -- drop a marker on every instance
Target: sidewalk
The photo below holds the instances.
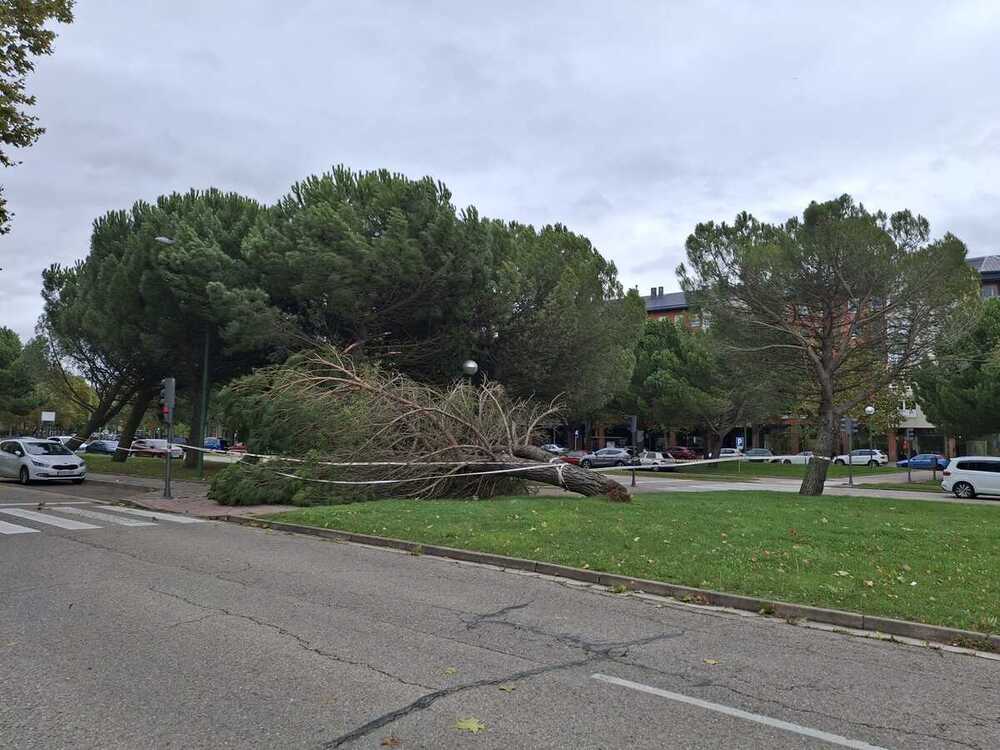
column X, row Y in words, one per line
column 188, row 497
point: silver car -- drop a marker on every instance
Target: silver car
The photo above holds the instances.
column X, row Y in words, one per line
column 607, row 457
column 29, row 460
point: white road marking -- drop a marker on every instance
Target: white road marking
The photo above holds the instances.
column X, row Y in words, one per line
column 62, row 523
column 106, row 517
column 150, row 514
column 46, row 503
column 834, row 739
column 13, row 528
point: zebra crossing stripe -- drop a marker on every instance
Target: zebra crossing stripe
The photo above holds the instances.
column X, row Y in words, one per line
column 173, row 517
column 106, row 517
column 62, row 523
column 13, row 528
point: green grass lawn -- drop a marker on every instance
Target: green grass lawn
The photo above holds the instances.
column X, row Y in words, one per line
column 788, row 471
column 929, row 562
column 137, row 466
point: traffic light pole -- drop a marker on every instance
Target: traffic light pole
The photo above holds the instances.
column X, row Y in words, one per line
column 169, row 461
column 850, row 457
column 168, row 392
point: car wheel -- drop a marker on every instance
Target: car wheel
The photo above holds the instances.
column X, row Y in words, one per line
column 873, row 463
column 839, row 462
column 963, row 489
column 620, row 463
column 585, row 464
column 787, row 461
column 24, row 477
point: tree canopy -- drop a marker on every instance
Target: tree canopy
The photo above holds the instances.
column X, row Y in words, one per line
column 23, row 36
column 959, row 388
column 840, row 302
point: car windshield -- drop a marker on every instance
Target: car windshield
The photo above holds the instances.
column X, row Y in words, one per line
column 46, row 449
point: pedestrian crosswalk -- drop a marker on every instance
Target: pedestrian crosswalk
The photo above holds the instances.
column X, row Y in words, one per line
column 68, row 516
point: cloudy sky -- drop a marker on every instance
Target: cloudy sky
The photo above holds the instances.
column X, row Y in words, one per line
column 629, row 122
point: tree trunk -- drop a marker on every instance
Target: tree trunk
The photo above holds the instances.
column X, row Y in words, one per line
column 196, row 436
column 573, row 478
column 813, row 481
column 106, row 410
column 135, row 415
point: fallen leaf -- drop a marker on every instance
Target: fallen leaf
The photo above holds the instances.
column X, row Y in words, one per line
column 713, row 662
column 507, row 688
column 391, row 741
column 472, row 724
column 869, row 584
column 451, row 670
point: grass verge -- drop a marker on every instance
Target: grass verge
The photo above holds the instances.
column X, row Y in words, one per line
column 928, row 562
column 137, row 466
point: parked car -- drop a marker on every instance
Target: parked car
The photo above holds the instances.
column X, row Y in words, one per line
column 863, row 457
column 924, row 461
column 554, row 449
column 682, row 453
column 216, row 444
column 105, row 447
column 968, row 476
column 759, row 455
column 155, row 448
column 730, row 453
column 573, row 457
column 607, row 457
column 655, row 461
column 803, row 457
column 29, row 460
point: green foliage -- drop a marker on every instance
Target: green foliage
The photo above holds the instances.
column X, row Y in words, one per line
column 860, row 554
column 959, row 389
column 23, row 36
column 686, row 379
column 246, row 483
column 380, row 262
column 17, row 384
column 839, row 304
column 563, row 326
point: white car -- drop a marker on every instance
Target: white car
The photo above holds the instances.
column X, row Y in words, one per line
column 29, row 460
column 156, row 448
column 862, row 457
column 655, row 461
column 557, row 450
column 730, row 453
column 805, row 457
column 968, row 476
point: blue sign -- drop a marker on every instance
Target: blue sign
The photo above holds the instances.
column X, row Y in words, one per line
column 739, row 442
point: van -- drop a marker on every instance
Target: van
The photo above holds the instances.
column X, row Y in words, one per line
column 968, row 476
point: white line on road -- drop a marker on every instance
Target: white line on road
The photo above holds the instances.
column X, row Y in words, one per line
column 150, row 514
column 13, row 528
column 106, row 517
column 62, row 523
column 834, row 739
column 46, row 502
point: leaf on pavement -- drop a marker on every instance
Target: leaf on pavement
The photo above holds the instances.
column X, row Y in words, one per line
column 713, row 662
column 507, row 688
column 451, row 670
column 471, row 724
column 391, row 741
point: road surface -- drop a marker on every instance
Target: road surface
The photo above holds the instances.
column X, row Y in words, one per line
column 120, row 630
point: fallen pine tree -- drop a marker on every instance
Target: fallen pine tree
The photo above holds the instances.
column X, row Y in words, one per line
column 358, row 432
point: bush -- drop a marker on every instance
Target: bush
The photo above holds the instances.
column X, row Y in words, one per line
column 247, row 483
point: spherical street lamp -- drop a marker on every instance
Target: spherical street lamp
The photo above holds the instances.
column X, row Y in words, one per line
column 469, row 367
column 869, row 410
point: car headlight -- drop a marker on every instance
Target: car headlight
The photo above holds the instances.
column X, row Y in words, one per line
column 37, row 463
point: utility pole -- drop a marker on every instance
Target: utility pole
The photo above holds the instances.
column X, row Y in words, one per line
column 168, row 392
column 204, row 409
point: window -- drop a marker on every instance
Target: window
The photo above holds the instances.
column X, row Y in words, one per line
column 993, row 466
column 989, row 290
column 46, row 449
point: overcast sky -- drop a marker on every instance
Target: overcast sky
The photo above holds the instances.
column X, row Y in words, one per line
column 629, row 122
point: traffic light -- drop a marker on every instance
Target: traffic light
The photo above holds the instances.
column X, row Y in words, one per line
column 165, row 410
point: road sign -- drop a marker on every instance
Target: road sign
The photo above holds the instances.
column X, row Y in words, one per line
column 48, row 416
column 739, row 442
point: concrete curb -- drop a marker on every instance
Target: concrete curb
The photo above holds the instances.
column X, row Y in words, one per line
column 840, row 618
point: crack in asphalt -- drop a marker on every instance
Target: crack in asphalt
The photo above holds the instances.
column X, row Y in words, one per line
column 300, row 641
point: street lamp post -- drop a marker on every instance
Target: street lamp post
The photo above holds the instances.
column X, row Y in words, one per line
column 204, row 383
column 470, row 367
column 869, row 410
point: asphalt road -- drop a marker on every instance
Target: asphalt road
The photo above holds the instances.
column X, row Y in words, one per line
column 209, row 635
